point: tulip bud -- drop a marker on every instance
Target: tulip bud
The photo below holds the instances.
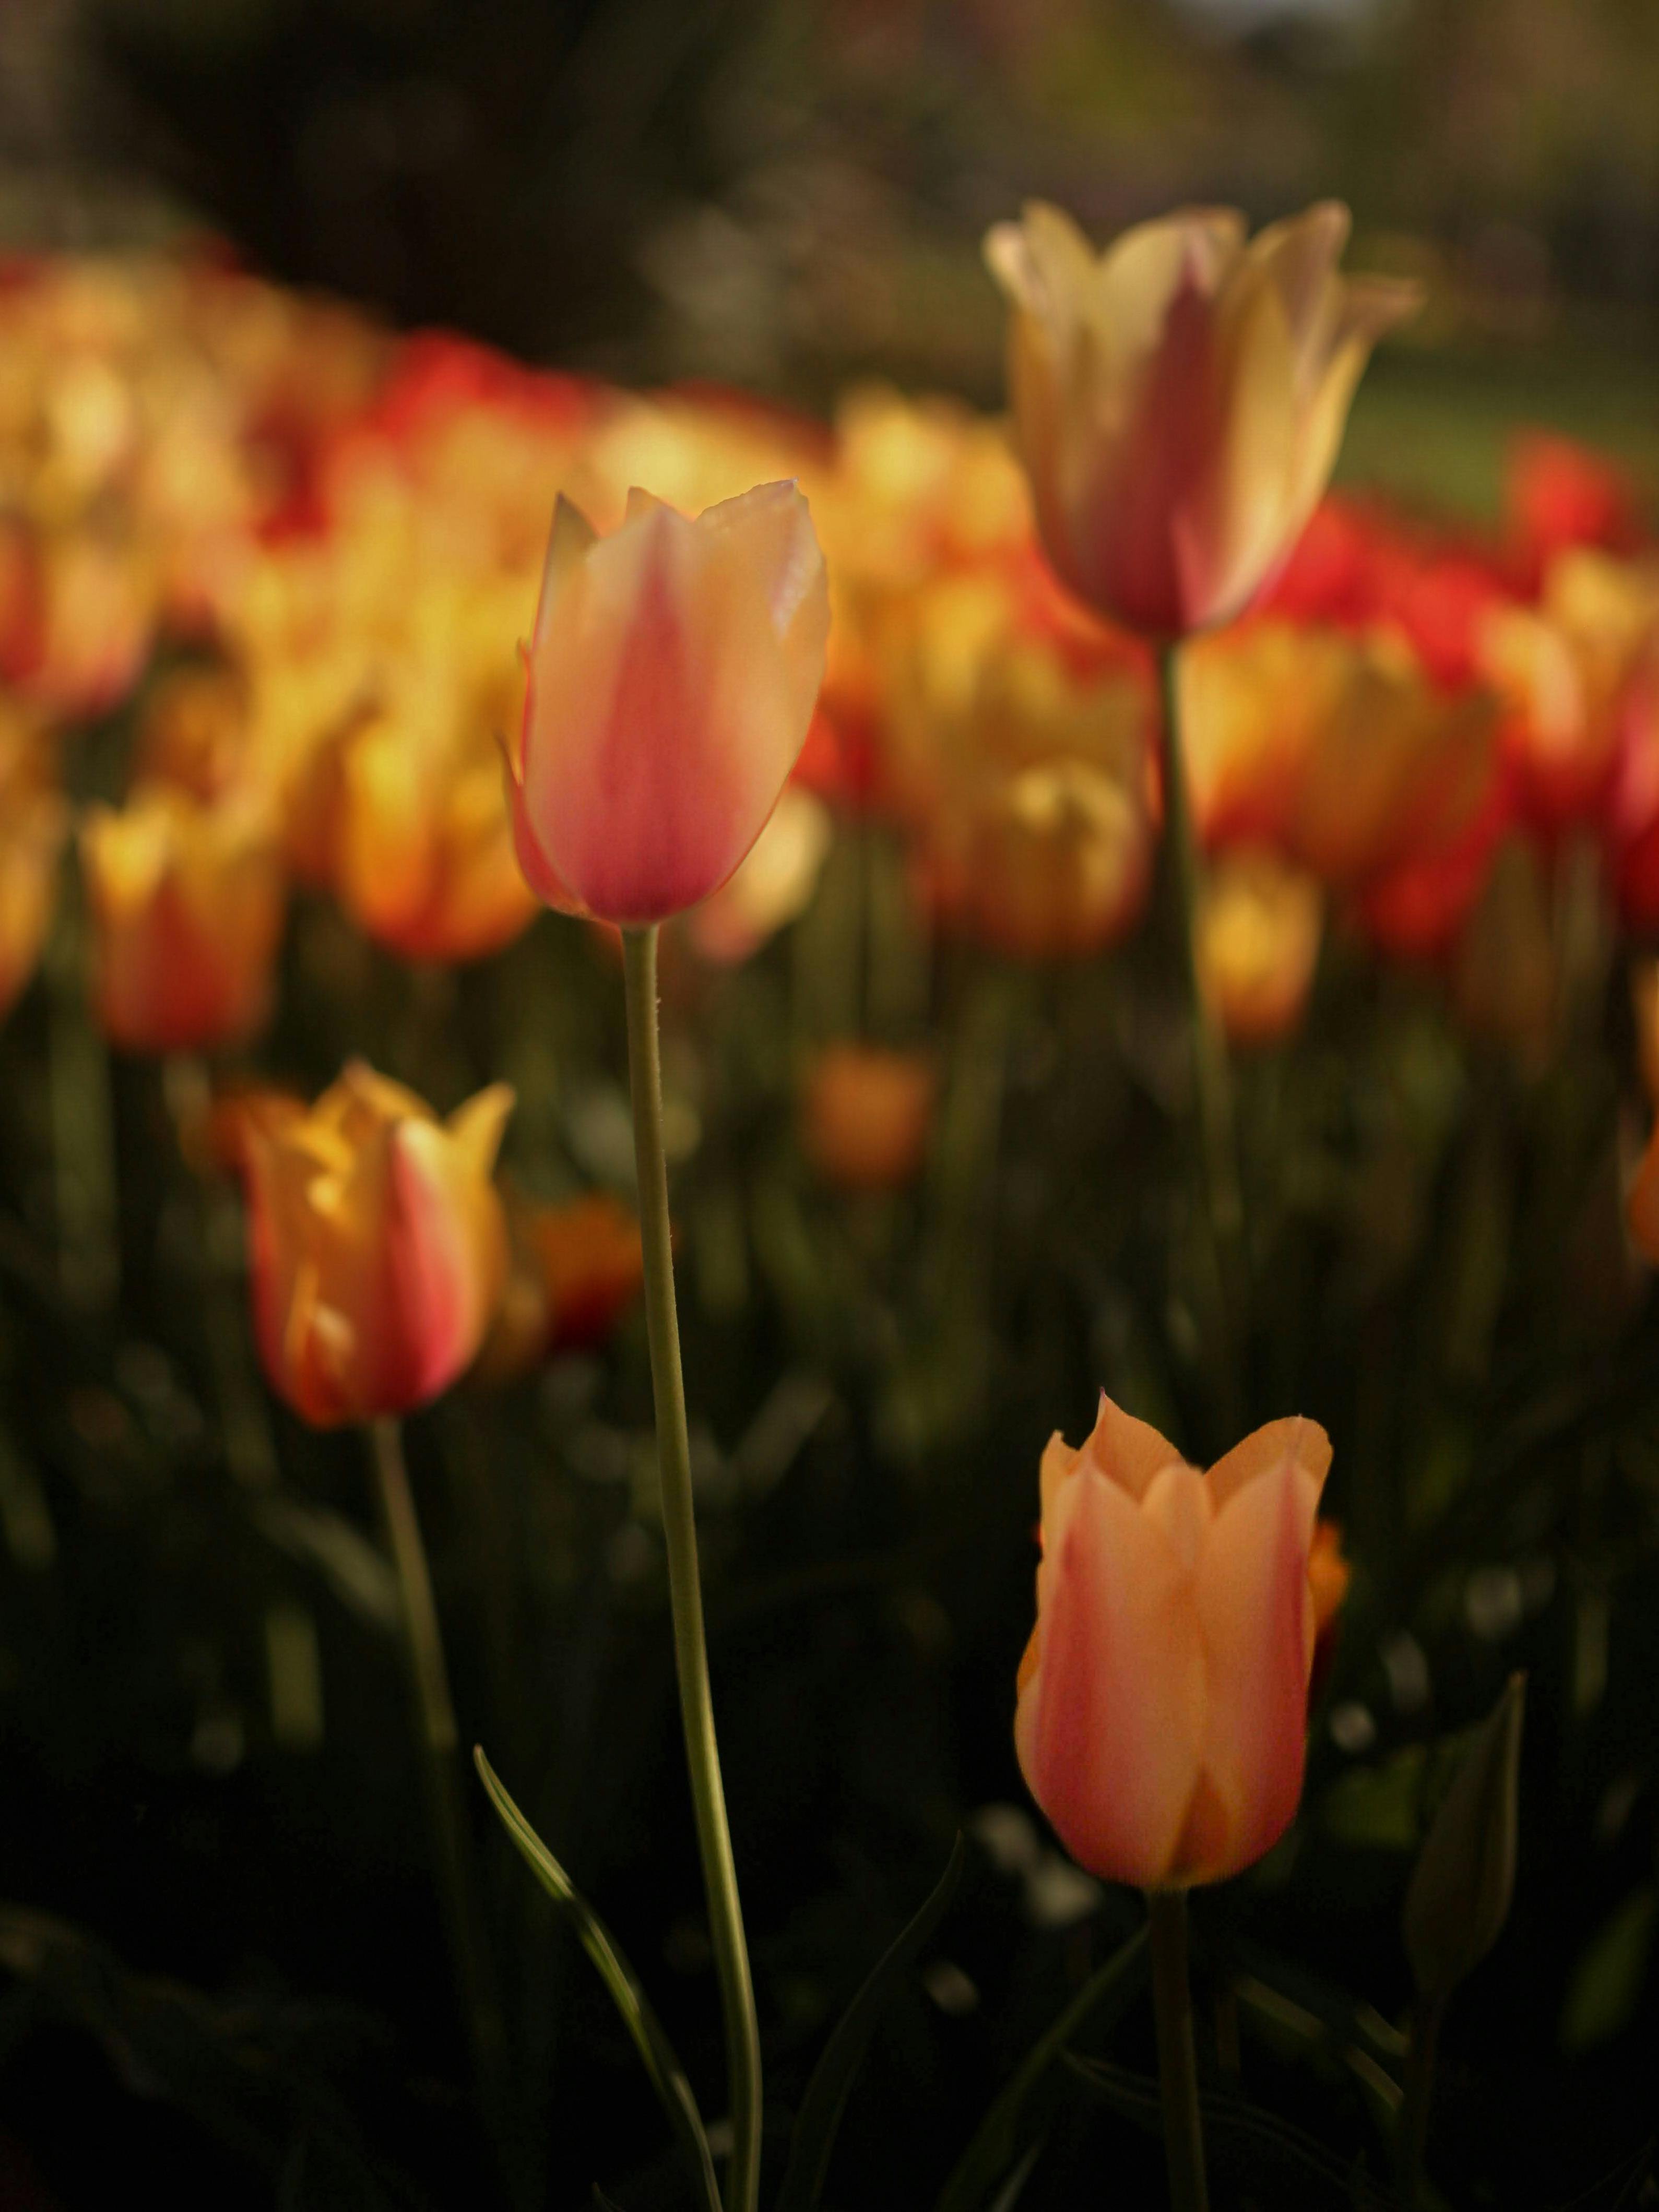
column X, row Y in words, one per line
column 186, row 905
column 1179, row 400
column 378, row 1245
column 1162, row 1698
column 1460, row 1889
column 673, row 675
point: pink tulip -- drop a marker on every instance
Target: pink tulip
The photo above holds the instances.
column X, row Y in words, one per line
column 673, row 675
column 1162, row 1698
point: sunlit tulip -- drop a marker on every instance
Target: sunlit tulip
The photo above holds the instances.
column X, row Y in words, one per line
column 33, row 823
column 378, row 1248
column 866, row 1115
column 1259, row 923
column 1055, row 863
column 1162, row 1698
column 424, row 859
column 773, row 883
column 187, row 905
column 1179, row 400
column 672, row 674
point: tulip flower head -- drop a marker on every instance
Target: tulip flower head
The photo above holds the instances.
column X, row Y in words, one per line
column 187, row 904
column 1163, row 1696
column 866, row 1114
column 1179, row 401
column 378, row 1244
column 33, row 823
column 673, row 675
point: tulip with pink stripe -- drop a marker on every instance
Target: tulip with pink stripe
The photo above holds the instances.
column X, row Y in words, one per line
column 378, row 1245
column 1163, row 1696
column 673, row 675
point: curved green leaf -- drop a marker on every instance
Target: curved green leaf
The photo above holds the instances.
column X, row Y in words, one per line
column 667, row 2075
column 988, row 2155
column 821, row 2108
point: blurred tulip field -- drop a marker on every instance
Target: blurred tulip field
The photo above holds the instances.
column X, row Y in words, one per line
column 1200, row 970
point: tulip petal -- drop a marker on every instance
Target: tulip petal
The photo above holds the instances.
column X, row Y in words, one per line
column 447, row 1242
column 1109, row 1726
column 1131, row 1452
column 475, row 1128
column 1296, row 1438
column 1257, row 1616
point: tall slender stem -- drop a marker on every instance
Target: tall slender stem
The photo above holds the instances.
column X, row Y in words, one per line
column 1177, row 2064
column 1213, row 1081
column 442, row 1773
column 685, row 1589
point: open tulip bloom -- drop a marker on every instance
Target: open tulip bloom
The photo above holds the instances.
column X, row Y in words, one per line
column 1162, row 1698
column 673, row 675
column 1179, row 400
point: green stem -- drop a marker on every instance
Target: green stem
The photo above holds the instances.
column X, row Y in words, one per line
column 442, row 1773
column 1213, row 1081
column 1418, row 2096
column 1177, row 2064
column 686, row 1590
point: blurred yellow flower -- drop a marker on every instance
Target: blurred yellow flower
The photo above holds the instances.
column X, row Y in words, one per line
column 1259, row 922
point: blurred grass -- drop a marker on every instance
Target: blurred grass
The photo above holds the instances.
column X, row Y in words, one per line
column 1434, row 426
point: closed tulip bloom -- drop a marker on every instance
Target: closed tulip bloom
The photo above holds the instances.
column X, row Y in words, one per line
column 378, row 1245
column 1163, row 1696
column 673, row 675
column 187, row 906
column 1179, row 400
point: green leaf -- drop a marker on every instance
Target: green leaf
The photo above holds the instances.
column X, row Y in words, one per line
column 814, row 2135
column 1113, row 1988
column 1464, row 1878
column 1607, row 1984
column 667, row 2075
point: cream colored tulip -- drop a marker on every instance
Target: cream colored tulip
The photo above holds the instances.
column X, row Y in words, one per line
column 1179, row 400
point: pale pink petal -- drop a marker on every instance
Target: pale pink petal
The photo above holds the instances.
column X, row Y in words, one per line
column 1257, row 1616
column 1110, row 1724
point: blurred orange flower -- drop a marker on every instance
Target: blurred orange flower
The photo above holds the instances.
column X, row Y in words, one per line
column 574, row 1271
column 866, row 1115
column 378, row 1246
column 1337, row 750
column 672, row 673
column 1180, row 400
column 1162, row 1698
column 34, row 824
column 187, row 902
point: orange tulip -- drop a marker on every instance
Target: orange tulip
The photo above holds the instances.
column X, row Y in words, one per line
column 866, row 1115
column 1258, row 926
column 673, row 671
column 1163, row 1696
column 424, row 859
column 1179, row 400
column 574, row 1271
column 378, row 1245
column 187, row 906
